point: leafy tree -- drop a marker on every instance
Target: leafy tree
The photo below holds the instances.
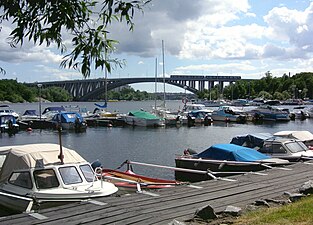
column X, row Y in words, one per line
column 87, row 21
column 278, row 95
column 56, row 94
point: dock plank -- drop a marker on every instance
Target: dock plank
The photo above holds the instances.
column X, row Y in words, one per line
column 175, row 203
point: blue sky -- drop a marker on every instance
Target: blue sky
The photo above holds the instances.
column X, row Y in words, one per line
column 207, row 37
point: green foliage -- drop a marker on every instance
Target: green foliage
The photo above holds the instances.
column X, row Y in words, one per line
column 15, row 92
column 55, row 94
column 12, row 91
column 129, row 94
column 268, row 87
column 300, row 212
column 86, row 21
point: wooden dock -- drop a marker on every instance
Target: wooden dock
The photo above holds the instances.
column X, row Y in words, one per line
column 178, row 203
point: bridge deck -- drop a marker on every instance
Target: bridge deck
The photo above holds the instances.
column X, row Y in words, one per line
column 178, row 203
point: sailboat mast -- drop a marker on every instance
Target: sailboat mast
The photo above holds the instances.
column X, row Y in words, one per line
column 106, row 81
column 155, row 84
column 163, row 73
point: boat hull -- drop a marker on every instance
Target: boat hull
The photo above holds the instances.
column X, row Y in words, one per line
column 217, row 166
column 52, row 197
column 129, row 181
column 135, row 121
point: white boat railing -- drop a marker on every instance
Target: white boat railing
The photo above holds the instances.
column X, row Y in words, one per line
column 224, row 162
column 208, row 172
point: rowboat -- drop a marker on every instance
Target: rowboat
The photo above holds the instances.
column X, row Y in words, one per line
column 129, row 181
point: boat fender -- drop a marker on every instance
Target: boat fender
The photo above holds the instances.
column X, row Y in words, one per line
column 10, row 125
column 190, row 151
column 96, row 164
column 185, row 100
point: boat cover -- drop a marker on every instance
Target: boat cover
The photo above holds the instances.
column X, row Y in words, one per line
column 232, row 152
column 54, row 109
column 252, row 140
column 143, row 114
column 32, row 156
column 67, row 117
column 300, row 135
column 30, row 112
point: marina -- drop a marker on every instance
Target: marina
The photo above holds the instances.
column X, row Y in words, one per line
column 155, row 145
column 178, row 203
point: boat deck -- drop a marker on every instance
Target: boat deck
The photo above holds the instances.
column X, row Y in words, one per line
column 178, row 203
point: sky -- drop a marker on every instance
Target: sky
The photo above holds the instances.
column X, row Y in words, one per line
column 208, row 37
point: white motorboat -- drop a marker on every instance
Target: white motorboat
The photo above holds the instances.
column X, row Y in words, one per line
column 303, row 135
column 6, row 110
column 279, row 145
column 39, row 175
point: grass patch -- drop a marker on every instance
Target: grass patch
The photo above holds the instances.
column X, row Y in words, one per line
column 300, row 213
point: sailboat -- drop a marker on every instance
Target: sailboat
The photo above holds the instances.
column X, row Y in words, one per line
column 169, row 117
column 100, row 112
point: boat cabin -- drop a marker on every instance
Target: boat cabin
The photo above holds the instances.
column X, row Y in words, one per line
column 36, row 171
column 285, row 148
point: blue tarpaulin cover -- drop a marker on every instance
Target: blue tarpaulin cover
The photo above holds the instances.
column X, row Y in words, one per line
column 252, row 140
column 232, row 152
column 67, row 117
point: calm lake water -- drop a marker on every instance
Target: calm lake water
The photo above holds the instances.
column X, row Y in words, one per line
column 112, row 146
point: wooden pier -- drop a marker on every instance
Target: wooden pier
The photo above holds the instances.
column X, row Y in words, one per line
column 178, row 203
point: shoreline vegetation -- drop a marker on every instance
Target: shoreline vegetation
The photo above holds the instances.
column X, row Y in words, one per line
column 299, row 86
column 299, row 212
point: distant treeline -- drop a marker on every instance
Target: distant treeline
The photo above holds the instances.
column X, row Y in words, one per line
column 12, row 91
column 268, row 87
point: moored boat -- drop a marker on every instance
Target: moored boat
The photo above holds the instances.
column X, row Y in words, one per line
column 41, row 175
column 69, row 121
column 303, row 135
column 129, row 181
column 223, row 160
column 5, row 110
column 281, row 147
column 142, row 118
column 8, row 124
column 228, row 114
column 271, row 113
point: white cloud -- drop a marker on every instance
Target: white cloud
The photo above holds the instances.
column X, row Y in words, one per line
column 57, row 74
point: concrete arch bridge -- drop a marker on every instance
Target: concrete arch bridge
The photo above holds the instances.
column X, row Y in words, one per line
column 86, row 89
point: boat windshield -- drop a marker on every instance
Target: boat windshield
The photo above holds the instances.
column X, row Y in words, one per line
column 21, row 179
column 70, row 175
column 45, row 179
column 296, row 146
column 87, row 172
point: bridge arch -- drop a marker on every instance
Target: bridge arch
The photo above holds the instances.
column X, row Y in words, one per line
column 115, row 84
column 91, row 88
